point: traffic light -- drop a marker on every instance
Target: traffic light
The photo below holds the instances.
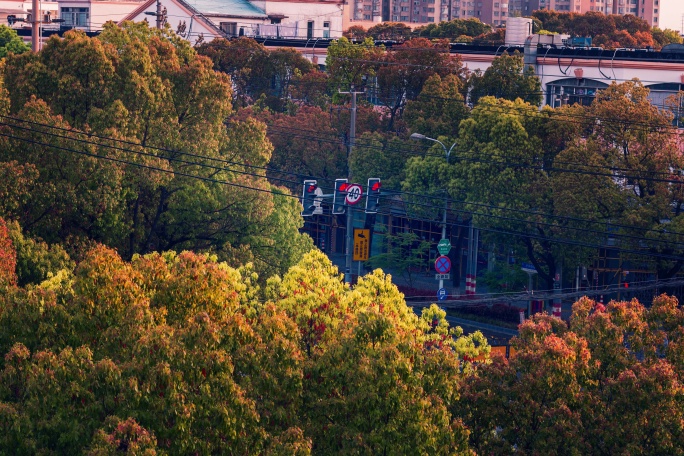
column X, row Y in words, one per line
column 373, row 197
column 309, row 198
column 339, row 195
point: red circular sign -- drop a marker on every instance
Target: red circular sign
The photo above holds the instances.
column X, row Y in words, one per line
column 354, row 193
column 443, row 264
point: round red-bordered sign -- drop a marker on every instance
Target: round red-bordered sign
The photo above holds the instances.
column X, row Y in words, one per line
column 443, row 264
column 354, row 194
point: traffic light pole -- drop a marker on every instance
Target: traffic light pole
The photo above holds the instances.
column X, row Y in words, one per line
column 350, row 210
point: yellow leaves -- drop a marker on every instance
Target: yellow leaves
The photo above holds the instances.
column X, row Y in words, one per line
column 196, row 283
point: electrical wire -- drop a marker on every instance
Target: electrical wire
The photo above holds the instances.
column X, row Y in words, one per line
column 216, row 168
column 296, row 183
column 507, row 232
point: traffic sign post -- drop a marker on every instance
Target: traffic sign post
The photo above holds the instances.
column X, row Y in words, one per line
column 444, row 247
column 530, row 270
column 441, row 294
column 442, row 266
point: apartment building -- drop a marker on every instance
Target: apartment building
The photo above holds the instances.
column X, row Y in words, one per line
column 422, row 12
column 646, row 9
column 494, row 12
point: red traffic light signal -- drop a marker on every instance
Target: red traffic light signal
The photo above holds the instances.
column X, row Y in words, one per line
column 373, row 197
column 341, row 187
column 309, row 204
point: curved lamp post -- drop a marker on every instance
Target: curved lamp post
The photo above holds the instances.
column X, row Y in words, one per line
column 447, row 153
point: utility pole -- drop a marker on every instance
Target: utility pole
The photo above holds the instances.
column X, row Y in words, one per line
column 471, row 267
column 350, row 211
column 35, row 28
column 160, row 15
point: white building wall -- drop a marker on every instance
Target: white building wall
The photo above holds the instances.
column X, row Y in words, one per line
column 100, row 12
column 302, row 13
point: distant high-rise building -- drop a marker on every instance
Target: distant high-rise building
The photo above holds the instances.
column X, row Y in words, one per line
column 493, row 12
column 645, row 9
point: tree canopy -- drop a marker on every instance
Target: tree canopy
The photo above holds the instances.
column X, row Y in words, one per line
column 142, row 355
column 10, row 42
column 609, row 382
column 607, row 30
column 130, row 139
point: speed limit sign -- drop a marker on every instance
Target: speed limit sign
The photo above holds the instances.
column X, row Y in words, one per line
column 354, row 193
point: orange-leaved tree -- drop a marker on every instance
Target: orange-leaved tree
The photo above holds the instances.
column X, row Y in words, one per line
column 609, row 383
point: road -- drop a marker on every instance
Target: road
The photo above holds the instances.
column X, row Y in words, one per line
column 496, row 335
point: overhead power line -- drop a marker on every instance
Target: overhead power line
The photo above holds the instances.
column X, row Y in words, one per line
column 429, row 197
column 385, row 212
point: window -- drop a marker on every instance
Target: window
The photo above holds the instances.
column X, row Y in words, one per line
column 75, row 17
column 431, row 19
column 405, row 8
column 431, row 10
column 229, row 28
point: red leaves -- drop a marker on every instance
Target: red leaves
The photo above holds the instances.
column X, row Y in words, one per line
column 8, row 257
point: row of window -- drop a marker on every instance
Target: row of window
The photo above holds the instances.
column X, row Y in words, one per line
column 75, row 17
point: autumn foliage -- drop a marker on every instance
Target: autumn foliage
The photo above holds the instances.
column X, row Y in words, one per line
column 8, row 257
column 607, row 30
column 610, row 382
column 180, row 354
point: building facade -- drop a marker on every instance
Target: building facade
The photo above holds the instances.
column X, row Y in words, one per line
column 421, row 12
column 209, row 19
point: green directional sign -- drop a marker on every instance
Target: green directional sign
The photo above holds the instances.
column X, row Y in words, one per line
column 444, row 247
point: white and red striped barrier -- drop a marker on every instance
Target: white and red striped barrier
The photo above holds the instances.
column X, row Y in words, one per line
column 471, row 284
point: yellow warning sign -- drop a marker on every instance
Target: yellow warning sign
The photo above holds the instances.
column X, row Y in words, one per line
column 361, row 244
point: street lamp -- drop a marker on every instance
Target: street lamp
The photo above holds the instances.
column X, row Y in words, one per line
column 447, row 153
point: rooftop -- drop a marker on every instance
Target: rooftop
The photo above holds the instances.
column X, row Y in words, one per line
column 226, row 7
